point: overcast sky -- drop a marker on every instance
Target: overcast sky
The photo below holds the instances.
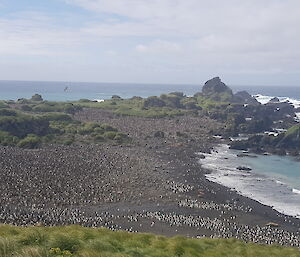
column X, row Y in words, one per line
column 152, row 41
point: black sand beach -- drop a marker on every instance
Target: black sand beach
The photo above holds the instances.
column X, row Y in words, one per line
column 154, row 184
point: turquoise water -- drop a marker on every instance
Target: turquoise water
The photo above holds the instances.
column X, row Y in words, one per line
column 284, row 168
column 273, row 180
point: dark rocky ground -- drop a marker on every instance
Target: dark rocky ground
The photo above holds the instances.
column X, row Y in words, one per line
column 154, row 184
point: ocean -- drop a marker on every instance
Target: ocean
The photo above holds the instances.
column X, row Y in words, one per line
column 55, row 91
column 273, row 180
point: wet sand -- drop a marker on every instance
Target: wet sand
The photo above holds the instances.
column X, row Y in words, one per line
column 154, row 184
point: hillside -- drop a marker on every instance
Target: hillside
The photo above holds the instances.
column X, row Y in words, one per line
column 87, row 242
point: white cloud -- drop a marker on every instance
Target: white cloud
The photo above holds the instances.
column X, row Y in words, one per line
column 232, row 26
column 33, row 34
column 159, row 47
column 249, row 36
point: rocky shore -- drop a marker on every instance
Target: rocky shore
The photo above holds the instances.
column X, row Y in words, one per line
column 153, row 184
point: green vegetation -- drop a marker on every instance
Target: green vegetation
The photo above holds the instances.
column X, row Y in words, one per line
column 291, row 138
column 53, row 107
column 37, row 98
column 288, row 142
column 37, row 104
column 86, row 242
column 167, row 105
column 293, row 132
column 3, row 104
column 134, row 107
column 31, row 130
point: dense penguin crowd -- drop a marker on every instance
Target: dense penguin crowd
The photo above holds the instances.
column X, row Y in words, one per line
column 154, row 185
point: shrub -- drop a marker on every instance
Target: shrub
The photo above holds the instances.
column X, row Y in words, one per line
column 7, row 139
column 154, row 101
column 31, row 141
column 34, row 237
column 56, row 107
column 37, row 98
column 110, row 135
column 44, row 107
column 7, row 112
column 88, row 128
column 66, row 243
column 99, row 138
column 107, row 127
column 3, row 105
column 68, row 141
column 84, row 101
column 26, row 108
column 171, row 100
column 57, row 117
column 70, row 108
column 7, row 246
column 120, row 137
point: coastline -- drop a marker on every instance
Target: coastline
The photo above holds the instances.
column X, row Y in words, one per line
column 264, row 188
column 155, row 184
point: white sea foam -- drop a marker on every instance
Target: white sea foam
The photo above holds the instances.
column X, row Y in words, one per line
column 223, row 164
column 263, row 99
column 279, row 182
column 99, row 100
column 296, row 191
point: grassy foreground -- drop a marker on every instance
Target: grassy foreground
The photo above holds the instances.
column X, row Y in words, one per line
column 87, row 242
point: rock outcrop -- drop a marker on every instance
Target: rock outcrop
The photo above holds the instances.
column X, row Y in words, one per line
column 291, row 138
column 215, row 86
column 219, row 91
column 245, row 98
column 288, row 142
column 274, row 100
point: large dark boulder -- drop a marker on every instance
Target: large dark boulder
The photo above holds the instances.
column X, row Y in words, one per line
column 215, row 86
column 279, row 110
column 154, row 101
column 171, row 100
column 37, row 98
column 245, row 98
column 274, row 100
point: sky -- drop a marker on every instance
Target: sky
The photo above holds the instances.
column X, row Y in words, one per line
column 248, row 42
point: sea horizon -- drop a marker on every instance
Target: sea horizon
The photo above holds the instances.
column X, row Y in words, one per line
column 56, row 90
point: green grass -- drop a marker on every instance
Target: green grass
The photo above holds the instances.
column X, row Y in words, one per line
column 132, row 107
column 87, row 242
column 166, row 105
column 31, row 130
column 292, row 131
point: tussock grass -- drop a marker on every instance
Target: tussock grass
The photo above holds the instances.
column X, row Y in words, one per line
column 86, row 242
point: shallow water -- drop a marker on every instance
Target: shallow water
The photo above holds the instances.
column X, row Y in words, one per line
column 273, row 180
